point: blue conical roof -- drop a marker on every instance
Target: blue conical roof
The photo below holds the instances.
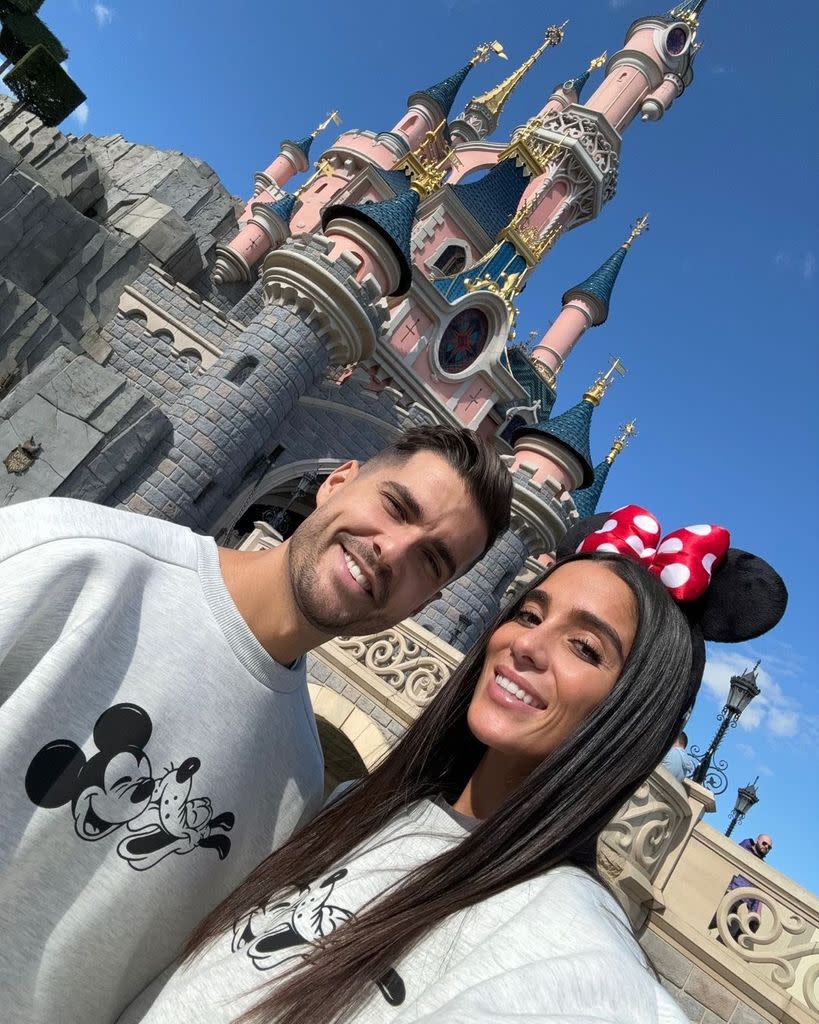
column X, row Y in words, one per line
column 493, row 199
column 392, row 219
column 283, row 207
column 571, row 429
column 444, row 93
column 576, row 84
column 302, row 144
column 586, row 498
column 599, row 285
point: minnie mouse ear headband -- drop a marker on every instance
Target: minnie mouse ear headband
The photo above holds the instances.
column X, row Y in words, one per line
column 729, row 594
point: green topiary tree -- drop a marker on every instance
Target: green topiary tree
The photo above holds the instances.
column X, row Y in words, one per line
column 43, row 87
column 22, row 32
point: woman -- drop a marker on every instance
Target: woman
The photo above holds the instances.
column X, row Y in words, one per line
column 457, row 882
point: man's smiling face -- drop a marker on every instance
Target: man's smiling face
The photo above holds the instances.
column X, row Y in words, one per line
column 382, row 542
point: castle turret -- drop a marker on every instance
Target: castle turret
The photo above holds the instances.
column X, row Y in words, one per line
column 587, row 498
column 654, row 67
column 559, row 448
column 585, row 305
column 570, row 91
column 322, row 309
column 481, row 115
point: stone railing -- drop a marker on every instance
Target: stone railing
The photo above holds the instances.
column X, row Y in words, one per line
column 634, row 847
column 769, row 951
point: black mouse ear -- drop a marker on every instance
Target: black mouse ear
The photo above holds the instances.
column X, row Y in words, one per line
column 123, row 725
column 52, row 776
column 579, row 532
column 746, row 598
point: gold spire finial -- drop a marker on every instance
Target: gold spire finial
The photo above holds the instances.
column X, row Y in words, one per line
column 484, row 50
column 621, row 441
column 640, row 225
column 598, row 62
column 332, row 116
column 495, row 99
column 601, row 385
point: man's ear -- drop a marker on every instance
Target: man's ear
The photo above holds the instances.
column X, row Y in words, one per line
column 340, row 476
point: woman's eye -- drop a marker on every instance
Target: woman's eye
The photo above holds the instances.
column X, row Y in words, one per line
column 528, row 617
column 587, row 652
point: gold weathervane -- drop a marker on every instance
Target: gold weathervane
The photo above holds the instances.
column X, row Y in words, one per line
column 621, row 441
column 640, row 225
column 604, row 380
column 598, row 62
column 333, row 117
column 484, row 50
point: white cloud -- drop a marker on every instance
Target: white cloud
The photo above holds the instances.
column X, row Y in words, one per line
column 722, row 69
column 103, row 14
column 797, row 261
column 616, row 5
column 81, row 114
column 783, row 723
column 774, row 709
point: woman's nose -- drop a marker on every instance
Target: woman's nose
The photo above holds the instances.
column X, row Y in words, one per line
column 530, row 646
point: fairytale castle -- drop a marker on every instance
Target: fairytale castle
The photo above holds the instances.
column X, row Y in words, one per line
column 167, row 349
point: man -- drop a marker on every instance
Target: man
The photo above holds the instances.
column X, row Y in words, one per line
column 759, row 847
column 156, row 736
column 676, row 761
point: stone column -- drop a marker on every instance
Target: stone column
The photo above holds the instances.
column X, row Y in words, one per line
column 470, row 604
column 316, row 314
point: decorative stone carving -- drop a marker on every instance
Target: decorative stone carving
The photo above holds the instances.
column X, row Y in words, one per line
column 402, row 662
column 771, row 937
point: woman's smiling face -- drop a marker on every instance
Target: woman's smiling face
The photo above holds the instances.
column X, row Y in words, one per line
column 558, row 657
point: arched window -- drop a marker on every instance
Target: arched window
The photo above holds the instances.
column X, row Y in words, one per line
column 451, row 261
column 190, row 359
column 239, row 373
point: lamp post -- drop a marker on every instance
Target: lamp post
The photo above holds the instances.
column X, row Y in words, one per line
column 743, row 690
column 747, row 796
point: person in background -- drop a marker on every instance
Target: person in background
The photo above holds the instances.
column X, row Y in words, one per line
column 676, row 761
column 156, row 733
column 759, row 847
column 458, row 882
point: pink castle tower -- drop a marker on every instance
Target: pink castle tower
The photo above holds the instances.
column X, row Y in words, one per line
column 586, row 305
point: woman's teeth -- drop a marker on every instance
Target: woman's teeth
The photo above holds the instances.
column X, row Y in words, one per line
column 356, row 573
column 516, row 691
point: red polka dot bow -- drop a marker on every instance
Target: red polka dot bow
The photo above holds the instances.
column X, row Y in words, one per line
column 684, row 560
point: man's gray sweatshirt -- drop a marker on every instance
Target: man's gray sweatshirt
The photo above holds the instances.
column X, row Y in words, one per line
column 151, row 753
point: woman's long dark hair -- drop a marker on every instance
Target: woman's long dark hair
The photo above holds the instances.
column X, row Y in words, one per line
column 553, row 817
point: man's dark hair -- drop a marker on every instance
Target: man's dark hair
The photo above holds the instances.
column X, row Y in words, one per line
column 488, row 481
column 684, row 739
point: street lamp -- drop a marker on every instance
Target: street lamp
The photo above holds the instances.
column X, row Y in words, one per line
column 743, row 690
column 747, row 796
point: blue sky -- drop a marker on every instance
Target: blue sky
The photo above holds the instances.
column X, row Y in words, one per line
column 715, row 314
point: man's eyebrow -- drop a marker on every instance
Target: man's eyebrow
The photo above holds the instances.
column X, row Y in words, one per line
column 583, row 616
column 414, row 512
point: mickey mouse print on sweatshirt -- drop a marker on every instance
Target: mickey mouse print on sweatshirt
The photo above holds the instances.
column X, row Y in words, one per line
column 116, row 787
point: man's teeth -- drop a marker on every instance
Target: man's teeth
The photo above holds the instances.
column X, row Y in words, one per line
column 516, row 691
column 356, row 573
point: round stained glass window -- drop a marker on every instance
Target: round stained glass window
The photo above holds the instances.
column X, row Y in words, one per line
column 463, row 341
column 676, row 40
